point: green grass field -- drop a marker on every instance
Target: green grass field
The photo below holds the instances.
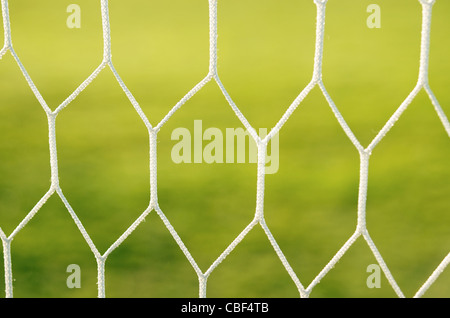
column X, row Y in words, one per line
column 266, row 51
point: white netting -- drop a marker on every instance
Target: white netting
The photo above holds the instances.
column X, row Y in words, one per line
column 258, row 220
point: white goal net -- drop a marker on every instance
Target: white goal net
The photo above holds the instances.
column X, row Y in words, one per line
column 258, row 219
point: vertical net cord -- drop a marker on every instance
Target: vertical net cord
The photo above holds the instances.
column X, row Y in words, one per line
column 361, row 228
column 427, row 6
column 8, row 268
column 423, row 80
column 6, row 240
column 6, row 28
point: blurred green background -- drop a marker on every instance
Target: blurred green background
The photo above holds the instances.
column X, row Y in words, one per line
column 266, row 49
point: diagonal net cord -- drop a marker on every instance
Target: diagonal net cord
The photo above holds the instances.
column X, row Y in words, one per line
column 365, row 153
